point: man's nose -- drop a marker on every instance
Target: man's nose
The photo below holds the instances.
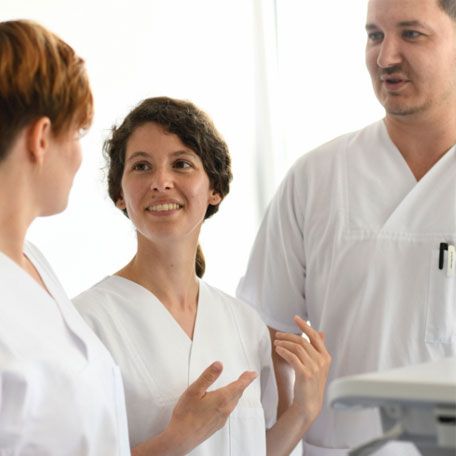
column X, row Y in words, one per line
column 389, row 54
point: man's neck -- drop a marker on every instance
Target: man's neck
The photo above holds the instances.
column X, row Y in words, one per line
column 422, row 142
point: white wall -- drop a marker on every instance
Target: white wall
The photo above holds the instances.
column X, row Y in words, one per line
column 200, row 50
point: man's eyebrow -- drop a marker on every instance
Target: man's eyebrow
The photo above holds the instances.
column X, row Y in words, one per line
column 411, row 24
column 370, row 27
column 401, row 24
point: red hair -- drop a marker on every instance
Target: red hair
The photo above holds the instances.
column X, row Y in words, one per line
column 40, row 75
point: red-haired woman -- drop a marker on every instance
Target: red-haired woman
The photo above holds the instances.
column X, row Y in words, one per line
column 60, row 391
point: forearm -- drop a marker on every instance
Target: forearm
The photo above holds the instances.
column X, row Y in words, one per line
column 310, row 362
column 166, row 443
column 286, row 432
column 284, row 375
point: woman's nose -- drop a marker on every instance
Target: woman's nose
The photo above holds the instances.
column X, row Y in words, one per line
column 161, row 180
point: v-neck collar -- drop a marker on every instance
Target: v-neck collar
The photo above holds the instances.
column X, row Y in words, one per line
column 54, row 297
column 383, row 197
column 402, row 162
column 25, row 276
column 396, row 155
column 147, row 298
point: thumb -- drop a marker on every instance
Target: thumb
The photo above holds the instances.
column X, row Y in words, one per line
column 206, row 379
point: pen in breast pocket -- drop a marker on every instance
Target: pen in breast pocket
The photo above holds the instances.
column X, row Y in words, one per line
column 443, row 248
column 451, row 258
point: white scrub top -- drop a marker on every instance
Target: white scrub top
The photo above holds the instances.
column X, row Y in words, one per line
column 351, row 241
column 159, row 361
column 60, row 391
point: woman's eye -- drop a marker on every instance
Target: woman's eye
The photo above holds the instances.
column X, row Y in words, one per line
column 182, row 164
column 141, row 166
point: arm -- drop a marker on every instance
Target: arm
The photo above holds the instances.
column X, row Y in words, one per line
column 197, row 415
column 284, row 375
column 300, row 404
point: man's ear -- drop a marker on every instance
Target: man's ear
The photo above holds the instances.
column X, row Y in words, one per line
column 38, row 139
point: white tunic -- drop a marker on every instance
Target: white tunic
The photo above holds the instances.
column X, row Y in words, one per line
column 60, row 391
column 158, row 360
column 351, row 242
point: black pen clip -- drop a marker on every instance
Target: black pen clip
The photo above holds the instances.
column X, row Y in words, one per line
column 443, row 248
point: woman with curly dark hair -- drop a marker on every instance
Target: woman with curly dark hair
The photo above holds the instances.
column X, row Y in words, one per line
column 60, row 390
column 169, row 170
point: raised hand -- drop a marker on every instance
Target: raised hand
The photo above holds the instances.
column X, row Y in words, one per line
column 197, row 414
column 203, row 412
column 310, row 361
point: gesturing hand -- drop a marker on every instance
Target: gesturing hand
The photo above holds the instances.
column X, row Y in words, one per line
column 199, row 413
column 310, row 361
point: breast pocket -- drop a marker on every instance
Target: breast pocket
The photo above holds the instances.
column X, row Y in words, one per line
column 247, row 432
column 441, row 302
column 247, row 424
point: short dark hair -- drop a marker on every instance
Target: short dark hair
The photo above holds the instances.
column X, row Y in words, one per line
column 40, row 75
column 449, row 6
column 193, row 127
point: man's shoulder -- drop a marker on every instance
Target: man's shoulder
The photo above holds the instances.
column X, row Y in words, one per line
column 330, row 150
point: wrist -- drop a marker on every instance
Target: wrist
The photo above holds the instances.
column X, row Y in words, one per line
column 301, row 416
column 167, row 443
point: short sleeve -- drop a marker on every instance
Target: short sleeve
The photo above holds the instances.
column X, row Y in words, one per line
column 269, row 394
column 274, row 282
column 15, row 406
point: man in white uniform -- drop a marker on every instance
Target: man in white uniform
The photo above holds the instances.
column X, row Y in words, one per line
column 359, row 238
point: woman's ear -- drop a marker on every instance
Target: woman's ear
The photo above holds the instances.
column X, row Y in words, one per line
column 120, row 203
column 214, row 198
column 38, row 139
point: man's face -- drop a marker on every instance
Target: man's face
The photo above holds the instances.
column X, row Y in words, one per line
column 411, row 55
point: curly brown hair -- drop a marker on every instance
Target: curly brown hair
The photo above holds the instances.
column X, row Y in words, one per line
column 193, row 127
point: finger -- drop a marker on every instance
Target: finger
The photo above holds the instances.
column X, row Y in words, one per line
column 236, row 388
column 206, row 379
column 299, row 340
column 293, row 360
column 313, row 335
column 297, row 349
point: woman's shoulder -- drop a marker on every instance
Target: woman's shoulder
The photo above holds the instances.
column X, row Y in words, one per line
column 96, row 295
column 245, row 314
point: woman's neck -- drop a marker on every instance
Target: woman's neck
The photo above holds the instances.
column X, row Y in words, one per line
column 168, row 271
column 15, row 213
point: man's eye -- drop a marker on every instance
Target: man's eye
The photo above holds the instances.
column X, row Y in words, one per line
column 411, row 34
column 375, row 36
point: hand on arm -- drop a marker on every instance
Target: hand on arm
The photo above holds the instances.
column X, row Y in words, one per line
column 197, row 415
column 310, row 362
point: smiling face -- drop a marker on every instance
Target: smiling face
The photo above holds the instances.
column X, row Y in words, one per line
column 411, row 56
column 165, row 189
